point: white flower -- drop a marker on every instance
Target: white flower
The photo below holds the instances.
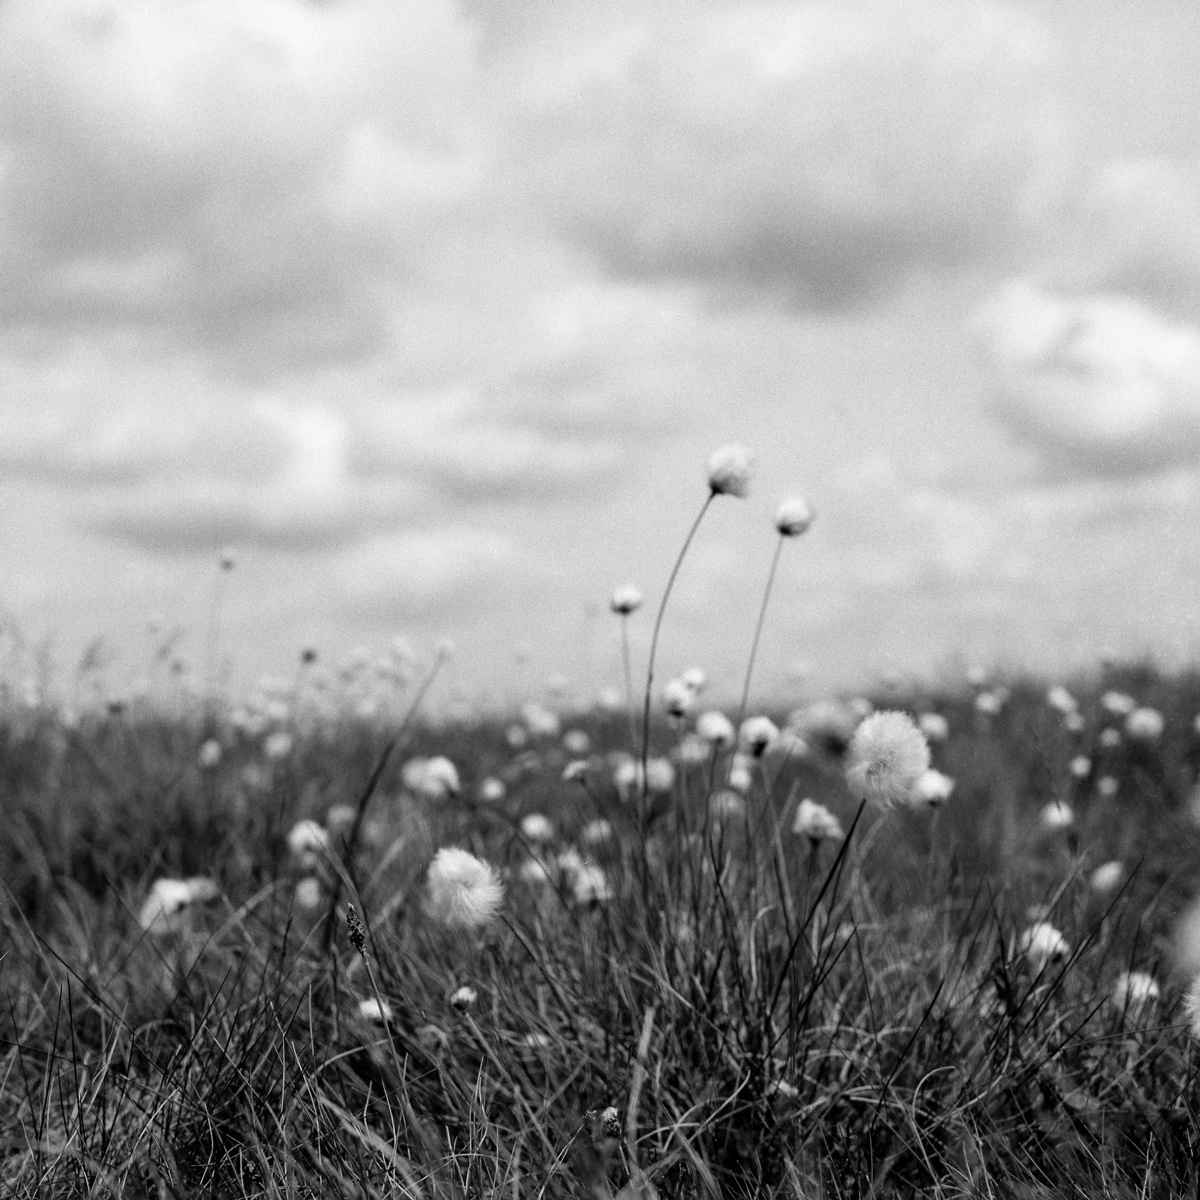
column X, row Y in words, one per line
column 169, row 897
column 695, row 678
column 308, row 841
column 278, row 745
column 1145, row 725
column 464, row 892
column 577, row 743
column 1107, row 876
column 340, row 819
column 757, row 734
column 535, row 872
column 308, row 893
column 1107, row 787
column 491, row 790
column 1059, row 698
column 678, row 698
column 1134, row 989
column 741, row 773
column 729, row 471
column 660, row 775
column 794, row 516
column 887, row 755
column 1058, row 814
column 1119, row 704
column 1041, row 943
column 375, row 1011
column 625, row 600
column 596, row 832
column 431, row 778
column 1074, row 722
column 934, row 726
column 1109, row 739
column 1080, row 766
column 931, row 789
column 692, row 750
column 464, row 998
column 542, row 722
column 716, row 729
column 536, row 827
column 815, row 821
column 209, row 755
column 590, row 885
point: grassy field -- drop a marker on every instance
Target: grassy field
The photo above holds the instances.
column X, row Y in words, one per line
column 678, row 994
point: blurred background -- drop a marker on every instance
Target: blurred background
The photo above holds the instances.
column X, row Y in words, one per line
column 433, row 311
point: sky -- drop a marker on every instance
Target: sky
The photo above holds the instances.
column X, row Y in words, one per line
column 434, row 311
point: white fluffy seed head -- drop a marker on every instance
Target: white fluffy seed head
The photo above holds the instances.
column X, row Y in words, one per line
column 887, row 755
column 168, row 898
column 375, row 1011
column 464, row 892
column 1145, row 725
column 729, row 470
column 794, row 516
column 716, row 729
column 1134, row 989
column 626, row 599
column 678, row 698
column 1041, row 943
column 816, row 822
column 1107, row 877
column 931, row 790
column 756, row 735
column 464, row 998
column 1058, row 814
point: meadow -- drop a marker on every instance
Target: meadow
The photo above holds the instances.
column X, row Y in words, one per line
column 318, row 944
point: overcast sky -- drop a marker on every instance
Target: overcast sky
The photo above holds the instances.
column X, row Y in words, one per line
column 434, row 310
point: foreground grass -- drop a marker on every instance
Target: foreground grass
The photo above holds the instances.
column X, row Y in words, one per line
column 765, row 1018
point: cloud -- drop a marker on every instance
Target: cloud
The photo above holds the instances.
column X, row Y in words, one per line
column 1139, row 232
column 813, row 152
column 251, row 179
column 1098, row 384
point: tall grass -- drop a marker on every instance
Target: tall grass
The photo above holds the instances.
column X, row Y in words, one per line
column 870, row 1029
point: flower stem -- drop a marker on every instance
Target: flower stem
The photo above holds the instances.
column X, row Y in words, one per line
column 762, row 614
column 662, row 607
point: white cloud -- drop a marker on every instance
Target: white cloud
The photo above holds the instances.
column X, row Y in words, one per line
column 1098, row 383
column 815, row 151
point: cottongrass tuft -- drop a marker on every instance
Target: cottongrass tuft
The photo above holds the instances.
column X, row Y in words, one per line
column 1041, row 943
column 1191, row 1007
column 1058, row 814
column 491, row 790
column 678, row 698
column 464, row 998
column 887, row 755
column 431, row 778
column 168, row 899
column 278, row 745
column 729, row 470
column 626, row 599
column 1107, row 877
column 815, row 822
column 537, row 827
column 716, row 729
column 1134, row 990
column 934, row 726
column 794, row 516
column 757, row 735
column 209, row 755
column 464, row 892
column 308, row 842
column 1145, row 725
column 931, row 790
column 378, row 1012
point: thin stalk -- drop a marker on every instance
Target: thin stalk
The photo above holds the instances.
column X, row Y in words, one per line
column 762, row 614
column 662, row 608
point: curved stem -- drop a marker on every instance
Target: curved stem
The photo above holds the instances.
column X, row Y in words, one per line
column 762, row 614
column 662, row 608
